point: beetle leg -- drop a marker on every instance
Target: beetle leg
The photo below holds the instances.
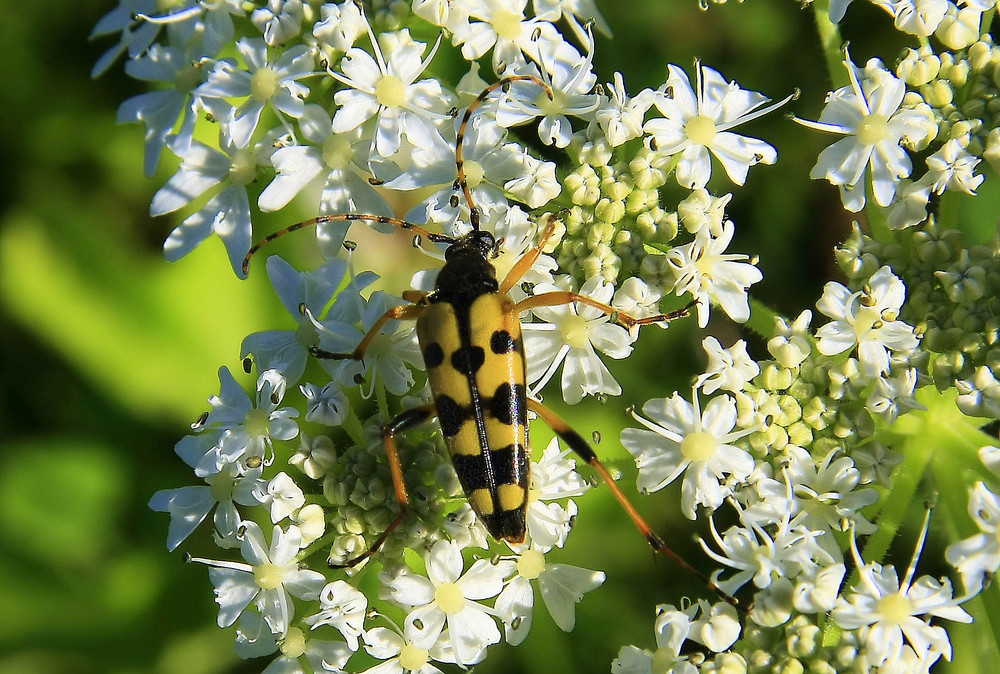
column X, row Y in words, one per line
column 401, row 422
column 558, row 297
column 404, row 312
column 586, row 452
column 527, row 261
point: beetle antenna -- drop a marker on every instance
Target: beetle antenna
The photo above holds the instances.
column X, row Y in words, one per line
column 343, row 217
column 462, row 182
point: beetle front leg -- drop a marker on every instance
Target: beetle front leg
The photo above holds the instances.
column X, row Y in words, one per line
column 405, row 312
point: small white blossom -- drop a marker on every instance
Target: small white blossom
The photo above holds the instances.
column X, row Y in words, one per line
column 387, row 89
column 705, row 270
column 728, row 369
column 268, row 577
column 869, row 113
column 342, row 606
column 791, row 344
column 449, row 598
column 249, row 426
column 281, row 496
column 341, row 25
column 952, row 168
column 620, row 116
column 266, row 82
column 697, row 121
column 978, row 556
column 681, row 439
column 916, row 17
column 279, row 21
column 561, row 586
column 867, row 319
column 570, row 335
column 254, row 639
column 553, row 477
column 891, row 614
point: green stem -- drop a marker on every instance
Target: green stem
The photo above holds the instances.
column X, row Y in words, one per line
column 762, row 318
column 831, row 42
column 352, row 426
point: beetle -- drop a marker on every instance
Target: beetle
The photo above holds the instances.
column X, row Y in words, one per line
column 469, row 334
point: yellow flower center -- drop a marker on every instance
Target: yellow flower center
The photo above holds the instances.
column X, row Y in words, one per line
column 699, row 446
column 337, row 151
column 294, row 643
column 473, row 173
column 255, row 423
column 188, row 78
column 449, row 597
column 242, row 167
column 700, row 129
column 895, row 607
column 412, row 658
column 575, row 331
column 268, row 576
column 663, row 661
column 390, row 91
column 531, row 564
column 264, row 84
column 872, row 129
column 220, row 486
column 507, row 24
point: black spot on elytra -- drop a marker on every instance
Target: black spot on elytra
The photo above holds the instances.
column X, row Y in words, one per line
column 450, row 414
column 433, row 355
column 510, row 405
column 468, row 359
column 501, row 342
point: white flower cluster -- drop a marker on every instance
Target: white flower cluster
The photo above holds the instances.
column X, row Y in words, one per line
column 337, row 106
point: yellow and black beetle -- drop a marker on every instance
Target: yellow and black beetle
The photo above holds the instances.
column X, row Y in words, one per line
column 469, row 332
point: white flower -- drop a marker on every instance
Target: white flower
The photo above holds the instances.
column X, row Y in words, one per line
column 387, row 89
column 269, row 577
column 328, row 405
column 342, row 606
column 891, row 611
column 791, row 344
column 978, row 556
column 282, row 496
column 571, row 81
column 893, row 396
column 266, row 81
column 916, row 17
column 620, row 116
column 254, row 639
column 869, row 114
column 672, row 629
column 571, row 335
column 682, row 440
column 159, row 110
column 729, row 369
column 189, row 506
column 910, row 205
column 331, row 166
column 279, row 21
column 447, row 597
column 401, row 656
column 705, row 270
column 697, row 121
column 553, row 477
column 767, row 558
column 952, row 168
column 287, row 351
column 562, row 587
column 227, row 213
column 341, row 25
column 868, row 319
column 502, row 26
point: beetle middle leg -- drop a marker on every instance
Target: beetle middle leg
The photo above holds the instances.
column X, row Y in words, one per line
column 559, row 297
column 401, row 422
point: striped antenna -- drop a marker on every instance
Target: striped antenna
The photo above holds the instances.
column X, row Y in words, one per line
column 459, row 158
column 343, row 217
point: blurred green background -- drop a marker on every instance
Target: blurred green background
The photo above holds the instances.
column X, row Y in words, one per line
column 108, row 352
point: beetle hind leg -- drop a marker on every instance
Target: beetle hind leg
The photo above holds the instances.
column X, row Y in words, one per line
column 583, row 449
